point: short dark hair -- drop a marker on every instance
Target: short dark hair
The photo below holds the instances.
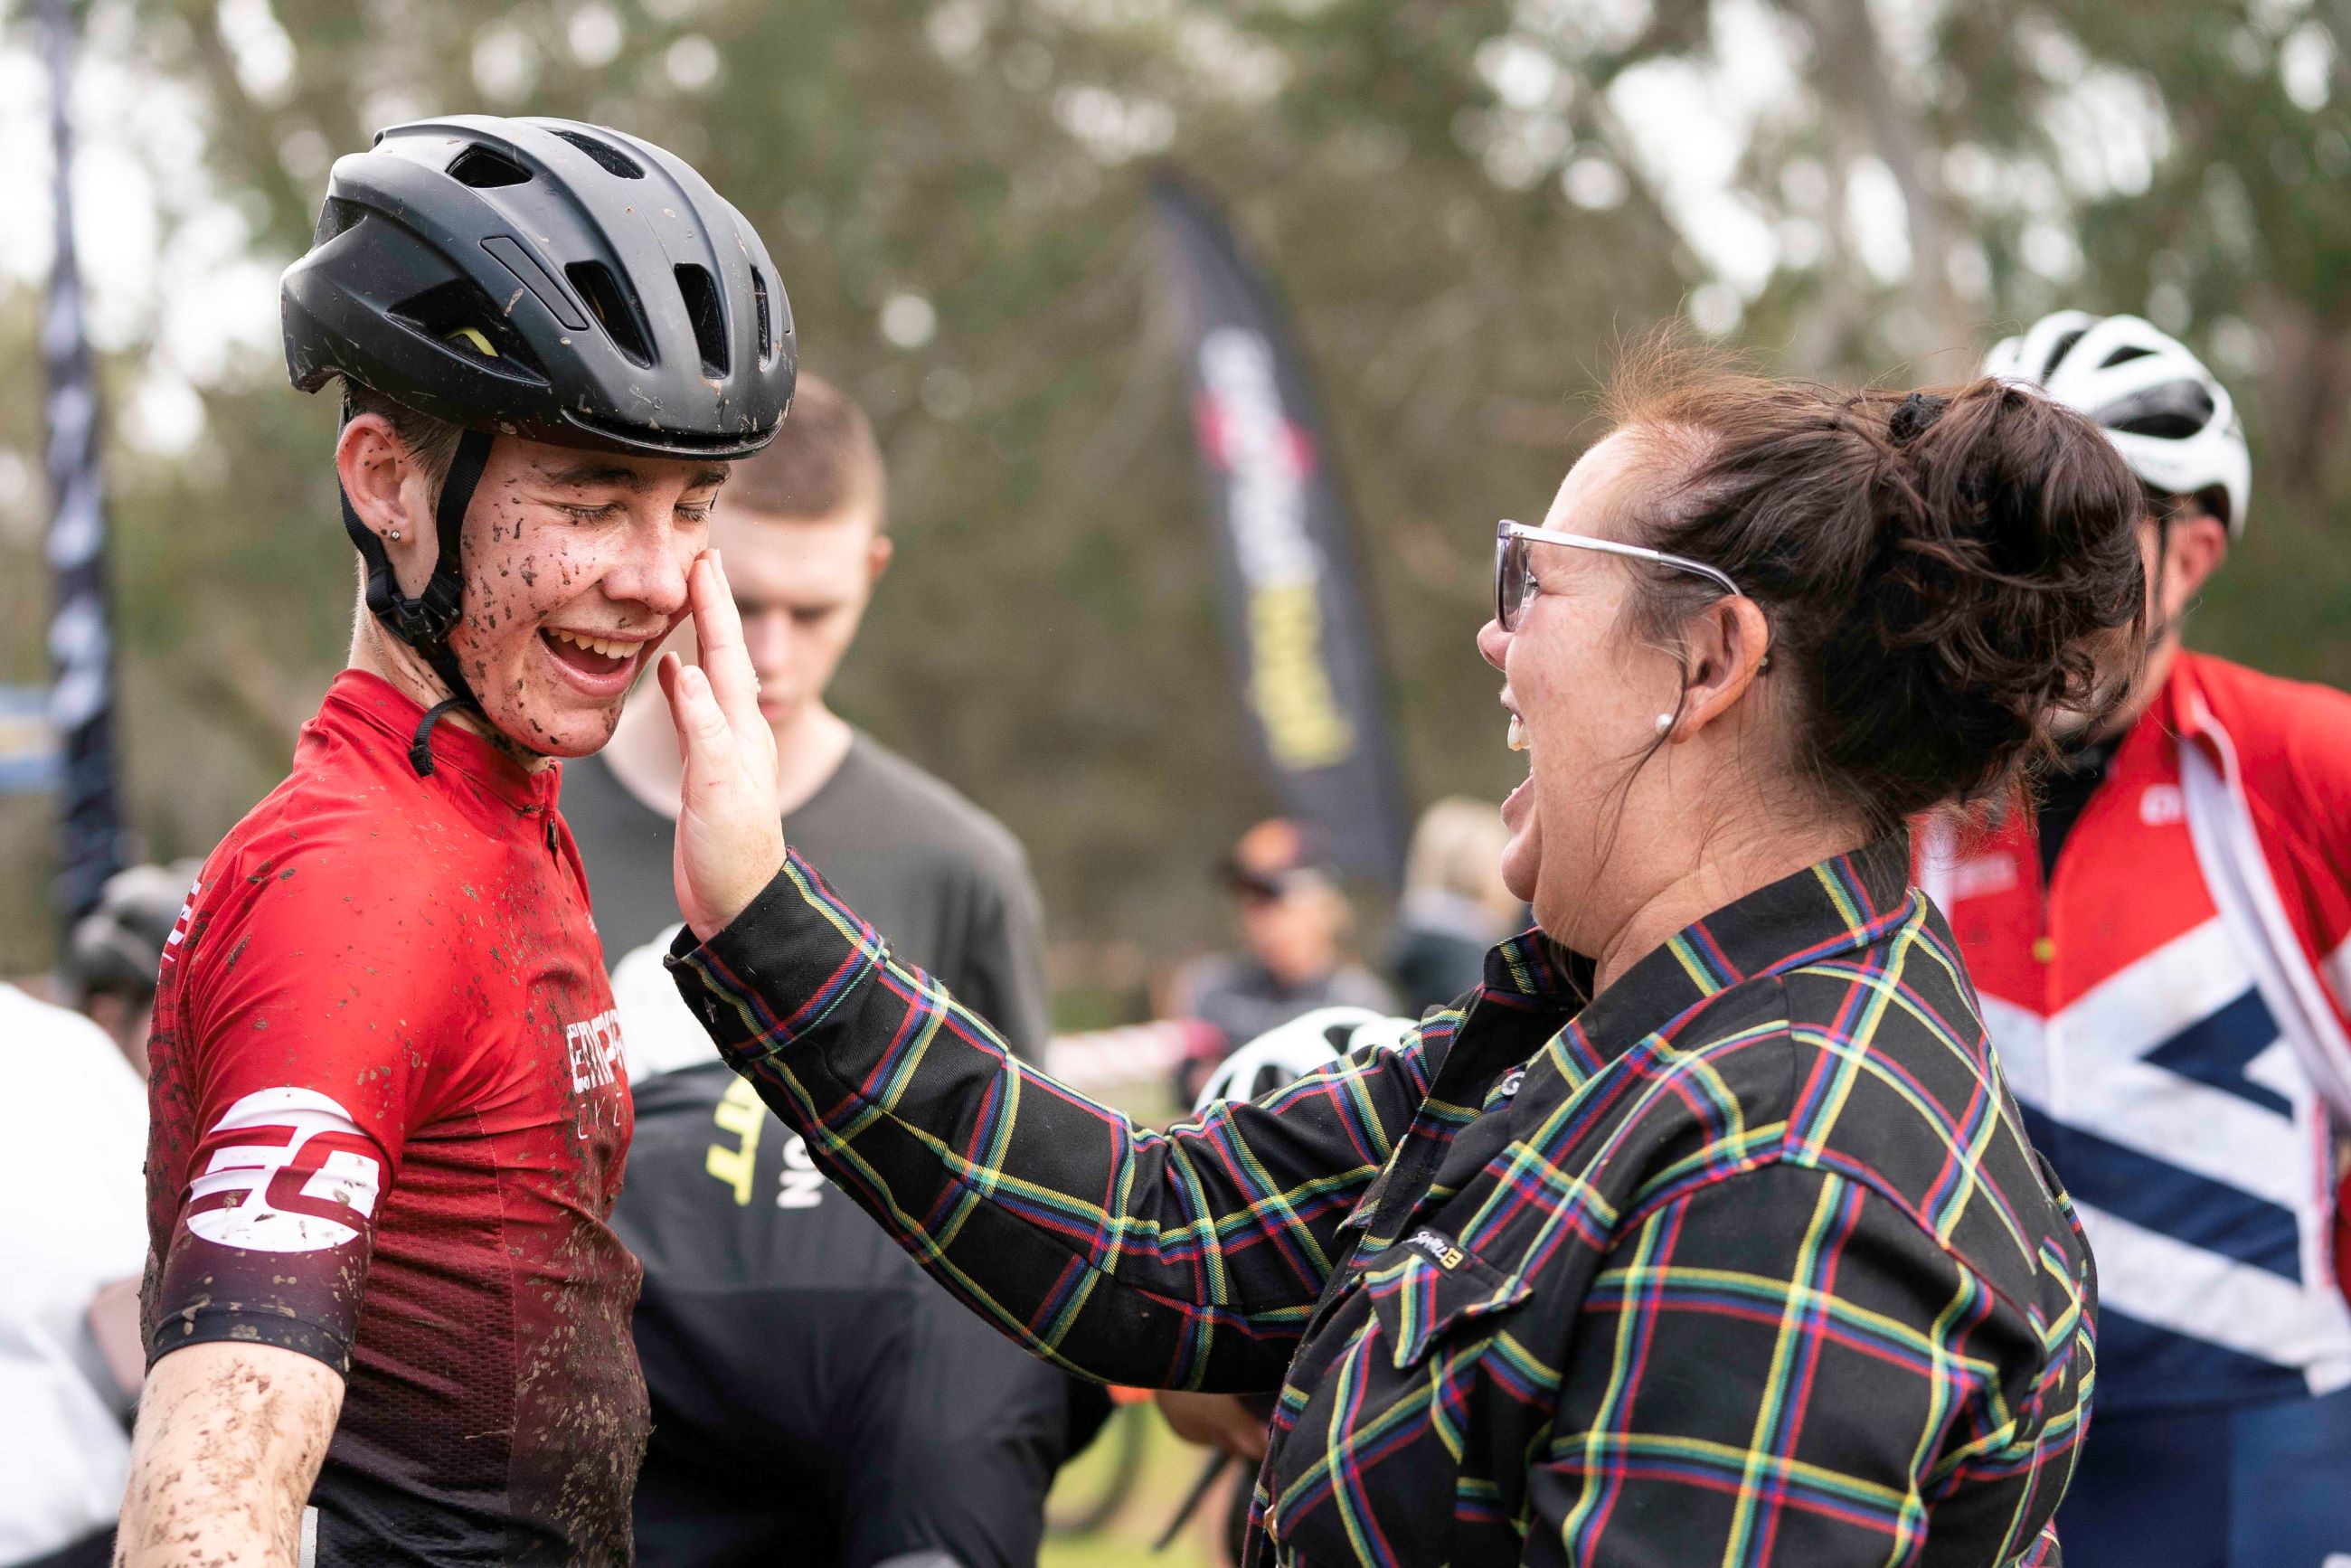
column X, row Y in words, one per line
column 1940, row 571
column 824, row 458
column 2167, row 506
column 432, row 442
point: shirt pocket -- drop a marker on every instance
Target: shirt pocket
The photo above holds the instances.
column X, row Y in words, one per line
column 1397, row 1440
column 1432, row 1290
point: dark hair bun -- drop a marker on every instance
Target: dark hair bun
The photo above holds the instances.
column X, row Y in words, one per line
column 1943, row 573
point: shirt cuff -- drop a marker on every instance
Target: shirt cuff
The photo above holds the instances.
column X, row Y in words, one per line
column 214, row 1322
column 780, row 968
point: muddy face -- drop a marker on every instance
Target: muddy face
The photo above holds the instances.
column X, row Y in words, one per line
column 575, row 571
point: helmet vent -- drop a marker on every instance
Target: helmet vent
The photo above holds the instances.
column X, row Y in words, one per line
column 484, row 168
column 2124, row 356
column 612, row 305
column 335, row 217
column 614, row 160
column 766, row 320
column 2064, row 346
column 458, row 319
column 702, row 308
column 2178, row 410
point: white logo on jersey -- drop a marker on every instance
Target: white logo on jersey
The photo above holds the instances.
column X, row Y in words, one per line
column 1983, row 875
column 180, row 925
column 595, row 1049
column 2162, row 805
column 290, row 1172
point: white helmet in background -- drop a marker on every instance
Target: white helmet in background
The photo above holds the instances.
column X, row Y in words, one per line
column 1307, row 1043
column 2169, row 417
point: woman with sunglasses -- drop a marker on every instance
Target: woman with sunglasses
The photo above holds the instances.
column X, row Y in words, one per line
column 1704, row 1230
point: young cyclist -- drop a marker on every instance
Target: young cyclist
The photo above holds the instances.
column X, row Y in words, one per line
column 387, row 1116
column 2162, row 955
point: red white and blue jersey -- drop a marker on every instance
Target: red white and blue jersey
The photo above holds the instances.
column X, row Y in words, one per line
column 2168, row 1007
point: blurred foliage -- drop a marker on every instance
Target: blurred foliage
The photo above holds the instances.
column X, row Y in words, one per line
column 1466, row 200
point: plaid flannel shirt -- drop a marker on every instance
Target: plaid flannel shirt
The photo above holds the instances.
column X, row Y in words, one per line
column 1746, row 1261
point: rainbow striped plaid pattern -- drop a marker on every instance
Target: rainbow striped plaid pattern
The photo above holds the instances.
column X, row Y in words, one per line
column 1746, row 1261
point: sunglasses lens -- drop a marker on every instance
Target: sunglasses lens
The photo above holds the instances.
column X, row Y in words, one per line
column 1510, row 581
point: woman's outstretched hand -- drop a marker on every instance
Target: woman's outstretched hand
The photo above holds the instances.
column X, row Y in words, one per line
column 730, row 824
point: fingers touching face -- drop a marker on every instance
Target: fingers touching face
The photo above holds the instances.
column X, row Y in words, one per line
column 718, row 627
column 801, row 586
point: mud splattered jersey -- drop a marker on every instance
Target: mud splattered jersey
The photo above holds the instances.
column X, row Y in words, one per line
column 389, row 1122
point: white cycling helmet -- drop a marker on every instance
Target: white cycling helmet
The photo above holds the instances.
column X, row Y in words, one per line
column 2169, row 417
column 1307, row 1043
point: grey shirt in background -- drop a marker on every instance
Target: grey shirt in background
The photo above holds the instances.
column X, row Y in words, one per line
column 942, row 879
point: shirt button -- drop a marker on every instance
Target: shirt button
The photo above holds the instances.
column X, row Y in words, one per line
column 2044, row 949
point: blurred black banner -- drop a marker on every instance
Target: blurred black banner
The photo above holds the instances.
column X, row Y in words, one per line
column 1294, row 608
column 81, row 639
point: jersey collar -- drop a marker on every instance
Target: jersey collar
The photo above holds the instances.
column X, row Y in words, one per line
column 373, row 703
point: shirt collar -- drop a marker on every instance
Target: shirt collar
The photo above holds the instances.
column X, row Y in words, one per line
column 1844, row 902
column 371, row 702
column 1531, row 970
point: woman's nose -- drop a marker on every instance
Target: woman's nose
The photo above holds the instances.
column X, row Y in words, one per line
column 1493, row 643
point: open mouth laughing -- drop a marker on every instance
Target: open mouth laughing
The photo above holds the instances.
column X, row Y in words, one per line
column 600, row 664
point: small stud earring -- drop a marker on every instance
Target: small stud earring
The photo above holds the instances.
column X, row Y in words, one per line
column 395, row 533
column 1664, row 723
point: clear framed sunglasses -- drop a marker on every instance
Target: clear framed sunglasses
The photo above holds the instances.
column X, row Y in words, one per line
column 1514, row 574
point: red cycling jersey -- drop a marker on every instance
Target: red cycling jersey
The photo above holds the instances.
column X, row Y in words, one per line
column 388, row 1126
column 2170, row 1008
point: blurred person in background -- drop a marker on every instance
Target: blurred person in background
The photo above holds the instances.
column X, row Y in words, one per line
column 1705, row 1233
column 2163, row 949
column 113, row 959
column 73, row 1228
column 387, row 1318
column 1294, row 919
column 1455, row 906
column 816, row 1400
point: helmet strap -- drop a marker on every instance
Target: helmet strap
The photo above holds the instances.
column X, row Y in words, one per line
column 425, row 621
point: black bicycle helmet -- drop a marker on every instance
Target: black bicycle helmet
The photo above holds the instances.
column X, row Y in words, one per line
column 116, row 948
column 536, row 277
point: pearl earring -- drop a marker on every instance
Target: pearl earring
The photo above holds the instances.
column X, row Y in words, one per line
column 1664, row 723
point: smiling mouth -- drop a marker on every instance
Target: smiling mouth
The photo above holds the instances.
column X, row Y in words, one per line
column 599, row 656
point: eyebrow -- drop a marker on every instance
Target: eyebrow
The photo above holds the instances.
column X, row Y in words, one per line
column 590, row 474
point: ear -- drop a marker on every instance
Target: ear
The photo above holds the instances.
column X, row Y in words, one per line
column 391, row 496
column 878, row 555
column 1726, row 645
column 2194, row 547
